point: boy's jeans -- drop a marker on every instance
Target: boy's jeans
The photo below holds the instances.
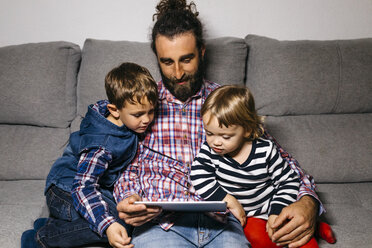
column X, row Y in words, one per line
column 65, row 226
column 191, row 230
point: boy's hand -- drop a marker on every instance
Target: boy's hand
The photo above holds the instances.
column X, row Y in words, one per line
column 118, row 236
column 236, row 208
column 138, row 214
column 270, row 231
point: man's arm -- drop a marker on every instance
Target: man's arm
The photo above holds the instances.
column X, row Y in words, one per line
column 296, row 223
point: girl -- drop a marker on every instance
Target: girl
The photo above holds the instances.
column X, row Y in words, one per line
column 237, row 165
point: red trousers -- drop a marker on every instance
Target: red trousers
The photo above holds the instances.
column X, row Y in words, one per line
column 255, row 231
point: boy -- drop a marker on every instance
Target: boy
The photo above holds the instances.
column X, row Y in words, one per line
column 79, row 186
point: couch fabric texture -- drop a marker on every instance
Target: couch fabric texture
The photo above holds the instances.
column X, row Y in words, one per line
column 316, row 96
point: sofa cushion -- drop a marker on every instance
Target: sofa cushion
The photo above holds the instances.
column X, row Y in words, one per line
column 332, row 148
column 28, row 152
column 99, row 57
column 21, row 203
column 38, row 83
column 349, row 212
column 225, row 59
column 310, row 77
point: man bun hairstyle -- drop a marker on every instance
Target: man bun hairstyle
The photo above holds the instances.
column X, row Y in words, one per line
column 175, row 5
column 174, row 17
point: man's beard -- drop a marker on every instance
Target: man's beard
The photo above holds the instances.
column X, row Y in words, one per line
column 184, row 92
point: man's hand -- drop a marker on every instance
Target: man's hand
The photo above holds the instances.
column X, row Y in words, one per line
column 296, row 223
column 134, row 214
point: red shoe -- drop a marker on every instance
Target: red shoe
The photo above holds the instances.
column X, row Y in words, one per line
column 325, row 232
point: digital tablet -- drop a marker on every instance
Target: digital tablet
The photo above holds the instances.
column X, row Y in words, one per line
column 189, row 206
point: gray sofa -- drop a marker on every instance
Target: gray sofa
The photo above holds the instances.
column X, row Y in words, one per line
column 317, row 96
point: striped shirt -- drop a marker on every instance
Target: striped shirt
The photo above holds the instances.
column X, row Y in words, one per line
column 162, row 165
column 264, row 184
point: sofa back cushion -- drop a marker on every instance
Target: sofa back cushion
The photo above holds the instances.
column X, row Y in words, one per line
column 331, row 148
column 225, row 59
column 38, row 102
column 317, row 96
column 310, row 77
column 38, row 83
column 99, row 57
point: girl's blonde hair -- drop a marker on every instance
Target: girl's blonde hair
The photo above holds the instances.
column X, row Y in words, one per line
column 234, row 105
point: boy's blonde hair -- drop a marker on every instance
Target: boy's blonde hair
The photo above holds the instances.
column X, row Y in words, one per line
column 130, row 82
column 234, row 105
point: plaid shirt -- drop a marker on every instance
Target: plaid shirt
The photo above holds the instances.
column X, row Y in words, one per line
column 86, row 198
column 161, row 170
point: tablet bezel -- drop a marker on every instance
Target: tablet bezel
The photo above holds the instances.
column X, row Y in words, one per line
column 187, row 206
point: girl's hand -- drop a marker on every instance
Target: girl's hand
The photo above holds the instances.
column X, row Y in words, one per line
column 236, row 208
column 270, row 231
column 118, row 236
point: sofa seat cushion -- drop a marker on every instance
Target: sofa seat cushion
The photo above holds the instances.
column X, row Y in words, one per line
column 21, row 203
column 28, row 152
column 349, row 211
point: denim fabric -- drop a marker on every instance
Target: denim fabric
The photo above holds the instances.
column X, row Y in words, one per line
column 192, row 230
column 95, row 132
column 66, row 227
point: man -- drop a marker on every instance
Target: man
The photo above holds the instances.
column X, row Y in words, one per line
column 175, row 139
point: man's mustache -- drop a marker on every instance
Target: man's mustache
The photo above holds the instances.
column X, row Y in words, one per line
column 185, row 77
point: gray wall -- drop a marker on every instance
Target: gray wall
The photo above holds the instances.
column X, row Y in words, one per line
column 23, row 21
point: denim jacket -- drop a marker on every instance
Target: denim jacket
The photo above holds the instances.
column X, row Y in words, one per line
column 95, row 132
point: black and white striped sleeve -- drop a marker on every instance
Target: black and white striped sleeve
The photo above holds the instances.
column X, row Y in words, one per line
column 285, row 181
column 203, row 176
